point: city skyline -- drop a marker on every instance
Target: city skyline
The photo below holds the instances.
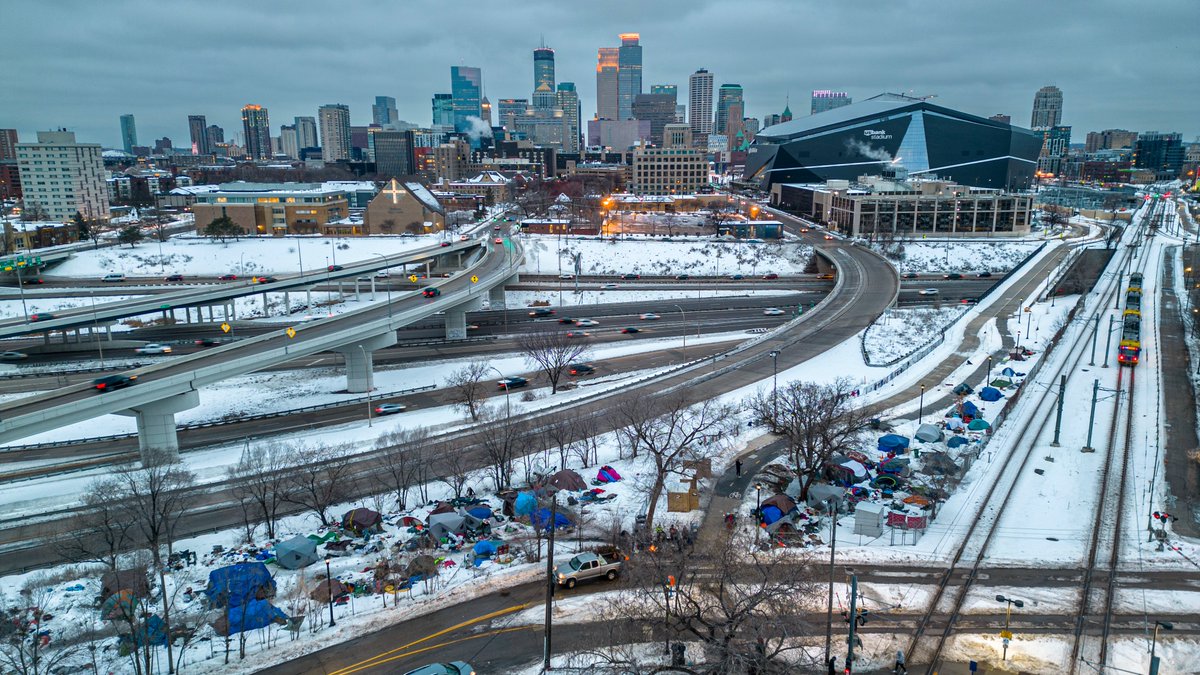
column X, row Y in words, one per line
column 1102, row 90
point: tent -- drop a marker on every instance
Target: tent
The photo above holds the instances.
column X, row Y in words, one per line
column 956, row 441
column 484, row 549
column 238, row 584
column 770, row 514
column 990, row 394
column 818, row 493
column 784, row 503
column 122, row 580
column 541, row 518
column 253, row 615
column 442, row 524
column 964, row 389
column 955, row 424
column 442, row 507
column 120, row 606
column 423, row 565
column 151, row 631
column 1008, row 372
column 526, row 503
column 938, row 463
column 295, row 553
column 567, row 480
column 363, row 521
column 928, row 433
column 607, row 474
column 322, row 591
column 893, row 443
column 970, row 409
column 895, row 465
column 856, row 468
column 978, row 425
column 476, row 516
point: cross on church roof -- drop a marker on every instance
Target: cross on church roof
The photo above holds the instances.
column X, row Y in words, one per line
column 394, row 191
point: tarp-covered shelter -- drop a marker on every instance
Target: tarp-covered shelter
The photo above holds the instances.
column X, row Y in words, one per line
column 363, row 521
column 122, row 580
column 541, row 518
column 893, row 443
column 818, row 493
column 990, row 394
column 525, row 504
column 253, row 615
column 567, row 480
column 442, row 507
column 963, row 389
column 238, row 584
column 607, row 474
column 970, row 409
column 956, row 441
column 443, row 524
column 295, row 553
column 938, row 463
column 475, row 516
column 978, row 425
column 321, row 593
column 955, row 424
column 784, row 503
column 120, row 606
column 484, row 549
column 928, row 433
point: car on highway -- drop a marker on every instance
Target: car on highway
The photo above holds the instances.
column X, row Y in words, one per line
column 829, row 237
column 683, row 277
column 206, row 342
column 586, row 323
column 927, row 291
column 629, row 277
column 567, row 320
column 649, row 316
column 770, row 275
column 804, row 229
column 827, row 275
column 498, row 240
column 265, row 280
column 431, row 292
column 444, row 244
column 32, row 281
column 13, row 356
column 389, row 408
column 110, row 382
column 566, row 276
column 773, row 311
column 985, row 275
column 630, row 330
column 44, row 316
column 512, row 382
column 541, row 311
column 153, row 348
column 227, row 277
column 495, row 228
column 736, row 277
column 578, row 334
column 581, row 369
column 115, row 277
column 463, row 237
column 173, row 277
column 952, row 276
column 335, row 268
column 382, row 274
column 909, row 275
column 609, row 287
column 450, row 668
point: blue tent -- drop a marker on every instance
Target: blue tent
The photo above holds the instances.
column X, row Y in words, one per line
column 254, row 614
column 978, row 425
column 480, row 512
column 990, row 394
column 151, row 631
column 541, row 518
column 239, row 584
column 484, row 548
column 893, row 443
column 956, row 441
column 1008, row 372
column 525, row 504
column 771, row 514
column 969, row 409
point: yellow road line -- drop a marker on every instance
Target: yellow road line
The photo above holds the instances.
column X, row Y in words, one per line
column 355, row 667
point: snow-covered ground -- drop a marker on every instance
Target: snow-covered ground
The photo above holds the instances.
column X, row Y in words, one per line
column 967, row 257
column 650, row 255
column 900, row 332
column 570, row 297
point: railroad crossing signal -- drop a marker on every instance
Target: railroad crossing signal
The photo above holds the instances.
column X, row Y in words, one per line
column 225, row 328
column 474, row 279
column 291, row 332
column 412, row 278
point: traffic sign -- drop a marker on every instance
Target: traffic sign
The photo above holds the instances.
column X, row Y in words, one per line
column 412, row 278
column 1007, row 635
column 291, row 332
column 474, row 279
column 225, row 328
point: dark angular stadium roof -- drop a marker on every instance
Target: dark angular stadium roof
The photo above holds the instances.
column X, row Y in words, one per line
column 874, row 107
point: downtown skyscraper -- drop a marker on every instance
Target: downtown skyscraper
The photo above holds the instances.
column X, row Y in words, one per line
column 198, row 130
column 1047, row 108
column 128, row 133
column 728, row 96
column 568, row 101
column 384, row 111
column 256, row 125
column 334, row 119
column 306, row 132
column 466, row 86
column 629, row 74
column 824, row 99
column 543, row 78
column 607, row 85
column 700, row 105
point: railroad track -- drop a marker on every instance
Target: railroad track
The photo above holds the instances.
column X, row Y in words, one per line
column 966, row 563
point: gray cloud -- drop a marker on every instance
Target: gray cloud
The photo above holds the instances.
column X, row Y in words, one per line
column 81, row 64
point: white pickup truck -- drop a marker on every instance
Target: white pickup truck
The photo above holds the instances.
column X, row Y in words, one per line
column 587, row 566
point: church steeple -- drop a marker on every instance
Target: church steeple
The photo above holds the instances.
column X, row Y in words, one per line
column 787, row 111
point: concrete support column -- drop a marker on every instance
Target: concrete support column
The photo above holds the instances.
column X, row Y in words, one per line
column 210, row 314
column 360, row 362
column 456, row 323
column 496, row 297
column 266, row 312
column 287, row 303
column 156, row 423
column 308, row 298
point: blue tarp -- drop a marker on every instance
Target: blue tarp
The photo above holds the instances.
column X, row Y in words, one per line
column 969, row 409
column 484, row 548
column 978, row 425
column 541, row 518
column 956, row 441
column 152, row 631
column 771, row 514
column 990, row 394
column 254, row 614
column 239, row 583
column 525, row 504
column 480, row 512
column 893, row 443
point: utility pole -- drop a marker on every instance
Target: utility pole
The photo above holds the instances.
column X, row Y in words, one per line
column 853, row 622
column 833, row 511
column 1108, row 340
column 1095, row 334
column 1092, row 416
column 550, row 579
column 1062, row 393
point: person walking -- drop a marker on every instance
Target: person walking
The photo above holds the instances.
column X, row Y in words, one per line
column 900, row 667
column 832, row 665
column 737, row 467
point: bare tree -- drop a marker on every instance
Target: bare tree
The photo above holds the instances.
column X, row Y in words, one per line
column 453, row 467
column 502, row 440
column 22, row 650
column 401, row 462
column 102, row 530
column 560, row 432
column 671, row 430
column 261, row 482
column 551, row 351
column 815, row 420
column 321, row 477
column 467, row 388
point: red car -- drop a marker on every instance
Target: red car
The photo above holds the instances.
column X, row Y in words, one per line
column 499, row 240
column 770, row 275
column 32, row 281
column 444, row 244
column 227, row 277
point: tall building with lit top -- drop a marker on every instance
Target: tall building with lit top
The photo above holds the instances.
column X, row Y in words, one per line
column 543, row 77
column 607, row 86
column 198, row 130
column 629, row 74
column 824, row 100
column 466, row 86
column 257, row 127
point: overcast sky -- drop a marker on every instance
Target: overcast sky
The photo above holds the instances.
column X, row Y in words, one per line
column 80, row 65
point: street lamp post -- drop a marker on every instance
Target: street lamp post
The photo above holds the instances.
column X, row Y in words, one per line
column 775, row 382
column 757, row 512
column 1006, row 635
column 387, row 287
column 329, row 587
column 242, row 264
column 1165, row 625
column 921, row 407
column 683, row 318
column 988, row 381
column 364, row 354
column 95, row 325
column 833, row 514
column 507, row 405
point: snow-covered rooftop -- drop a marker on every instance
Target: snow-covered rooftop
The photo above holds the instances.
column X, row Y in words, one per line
column 424, row 196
